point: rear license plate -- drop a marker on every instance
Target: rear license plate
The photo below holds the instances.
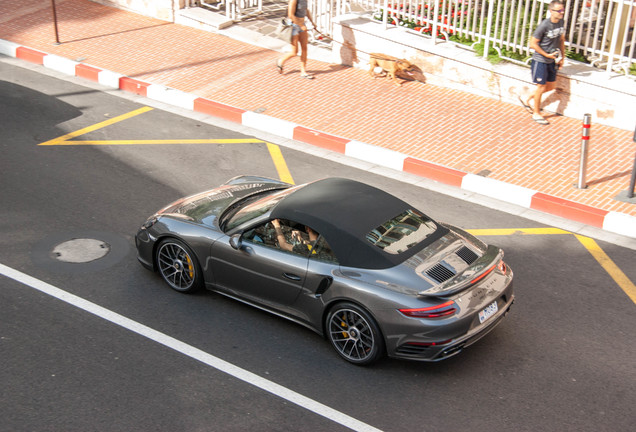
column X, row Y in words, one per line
column 488, row 312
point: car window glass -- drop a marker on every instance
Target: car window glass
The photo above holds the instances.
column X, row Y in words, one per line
column 322, row 251
column 295, row 239
column 263, row 234
column 252, row 209
column 402, row 232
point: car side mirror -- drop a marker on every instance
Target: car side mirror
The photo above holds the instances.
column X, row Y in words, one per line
column 236, row 242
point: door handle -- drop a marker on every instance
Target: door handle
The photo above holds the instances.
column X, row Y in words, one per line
column 291, row 276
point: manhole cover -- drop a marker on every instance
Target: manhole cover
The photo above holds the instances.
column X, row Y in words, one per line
column 81, row 250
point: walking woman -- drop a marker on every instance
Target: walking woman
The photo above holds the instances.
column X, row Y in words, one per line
column 297, row 12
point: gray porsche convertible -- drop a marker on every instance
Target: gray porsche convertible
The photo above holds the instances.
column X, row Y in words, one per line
column 356, row 264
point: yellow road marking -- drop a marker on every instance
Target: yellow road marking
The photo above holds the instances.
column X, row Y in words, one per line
column 599, row 255
column 283, row 171
column 279, row 162
column 513, row 231
column 155, row 142
column 619, row 277
column 60, row 140
column 64, row 140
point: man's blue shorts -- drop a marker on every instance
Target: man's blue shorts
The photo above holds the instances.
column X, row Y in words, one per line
column 543, row 73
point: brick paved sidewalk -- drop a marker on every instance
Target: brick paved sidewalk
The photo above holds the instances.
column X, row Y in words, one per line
column 462, row 131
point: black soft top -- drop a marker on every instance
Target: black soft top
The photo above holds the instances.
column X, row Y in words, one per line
column 344, row 211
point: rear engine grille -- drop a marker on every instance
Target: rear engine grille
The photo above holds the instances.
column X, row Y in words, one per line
column 440, row 273
column 467, row 255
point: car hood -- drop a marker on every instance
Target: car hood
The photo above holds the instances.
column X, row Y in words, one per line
column 205, row 207
column 449, row 265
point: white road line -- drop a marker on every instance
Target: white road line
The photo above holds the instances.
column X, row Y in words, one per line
column 188, row 350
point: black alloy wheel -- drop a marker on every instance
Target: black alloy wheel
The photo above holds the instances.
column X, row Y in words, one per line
column 178, row 266
column 354, row 334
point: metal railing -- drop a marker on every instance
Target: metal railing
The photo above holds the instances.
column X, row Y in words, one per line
column 599, row 31
column 235, row 10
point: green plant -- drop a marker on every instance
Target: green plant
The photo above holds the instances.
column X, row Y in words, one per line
column 576, row 56
column 493, row 55
column 461, row 40
column 515, row 55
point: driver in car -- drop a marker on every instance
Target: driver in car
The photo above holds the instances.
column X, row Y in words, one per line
column 300, row 242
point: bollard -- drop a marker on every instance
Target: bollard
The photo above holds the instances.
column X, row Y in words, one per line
column 632, row 181
column 585, row 140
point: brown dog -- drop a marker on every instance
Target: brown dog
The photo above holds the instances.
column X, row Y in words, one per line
column 390, row 66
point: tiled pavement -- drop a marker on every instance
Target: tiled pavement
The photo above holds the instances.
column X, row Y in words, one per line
column 461, row 131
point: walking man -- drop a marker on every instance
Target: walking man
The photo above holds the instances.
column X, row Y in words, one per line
column 548, row 43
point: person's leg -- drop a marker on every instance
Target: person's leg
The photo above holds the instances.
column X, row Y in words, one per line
column 292, row 53
column 303, row 40
column 540, row 75
column 549, row 76
column 536, row 97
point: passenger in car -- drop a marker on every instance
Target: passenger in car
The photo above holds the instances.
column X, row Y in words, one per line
column 301, row 242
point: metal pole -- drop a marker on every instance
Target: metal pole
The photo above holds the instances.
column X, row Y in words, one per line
column 585, row 140
column 488, row 28
column 632, row 181
column 436, row 15
column 57, row 36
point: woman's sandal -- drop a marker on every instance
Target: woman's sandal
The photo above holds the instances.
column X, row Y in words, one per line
column 279, row 66
column 540, row 120
column 308, row 76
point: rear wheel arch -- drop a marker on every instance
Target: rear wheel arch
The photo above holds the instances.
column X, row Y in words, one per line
column 336, row 301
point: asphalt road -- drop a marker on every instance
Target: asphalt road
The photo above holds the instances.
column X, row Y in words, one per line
column 563, row 360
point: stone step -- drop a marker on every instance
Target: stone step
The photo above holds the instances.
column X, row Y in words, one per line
column 203, row 19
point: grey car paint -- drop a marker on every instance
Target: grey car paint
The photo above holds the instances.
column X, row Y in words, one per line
column 304, row 290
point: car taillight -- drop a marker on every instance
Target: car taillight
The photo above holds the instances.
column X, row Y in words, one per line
column 502, row 266
column 445, row 309
column 483, row 275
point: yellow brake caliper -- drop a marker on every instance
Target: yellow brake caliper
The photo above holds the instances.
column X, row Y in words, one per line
column 190, row 267
column 344, row 325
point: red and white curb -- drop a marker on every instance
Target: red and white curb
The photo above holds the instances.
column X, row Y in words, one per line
column 614, row 222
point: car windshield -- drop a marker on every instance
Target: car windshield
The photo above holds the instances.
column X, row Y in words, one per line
column 402, row 232
column 252, row 207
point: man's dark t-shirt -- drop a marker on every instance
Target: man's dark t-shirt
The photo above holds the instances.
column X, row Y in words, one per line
column 549, row 35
